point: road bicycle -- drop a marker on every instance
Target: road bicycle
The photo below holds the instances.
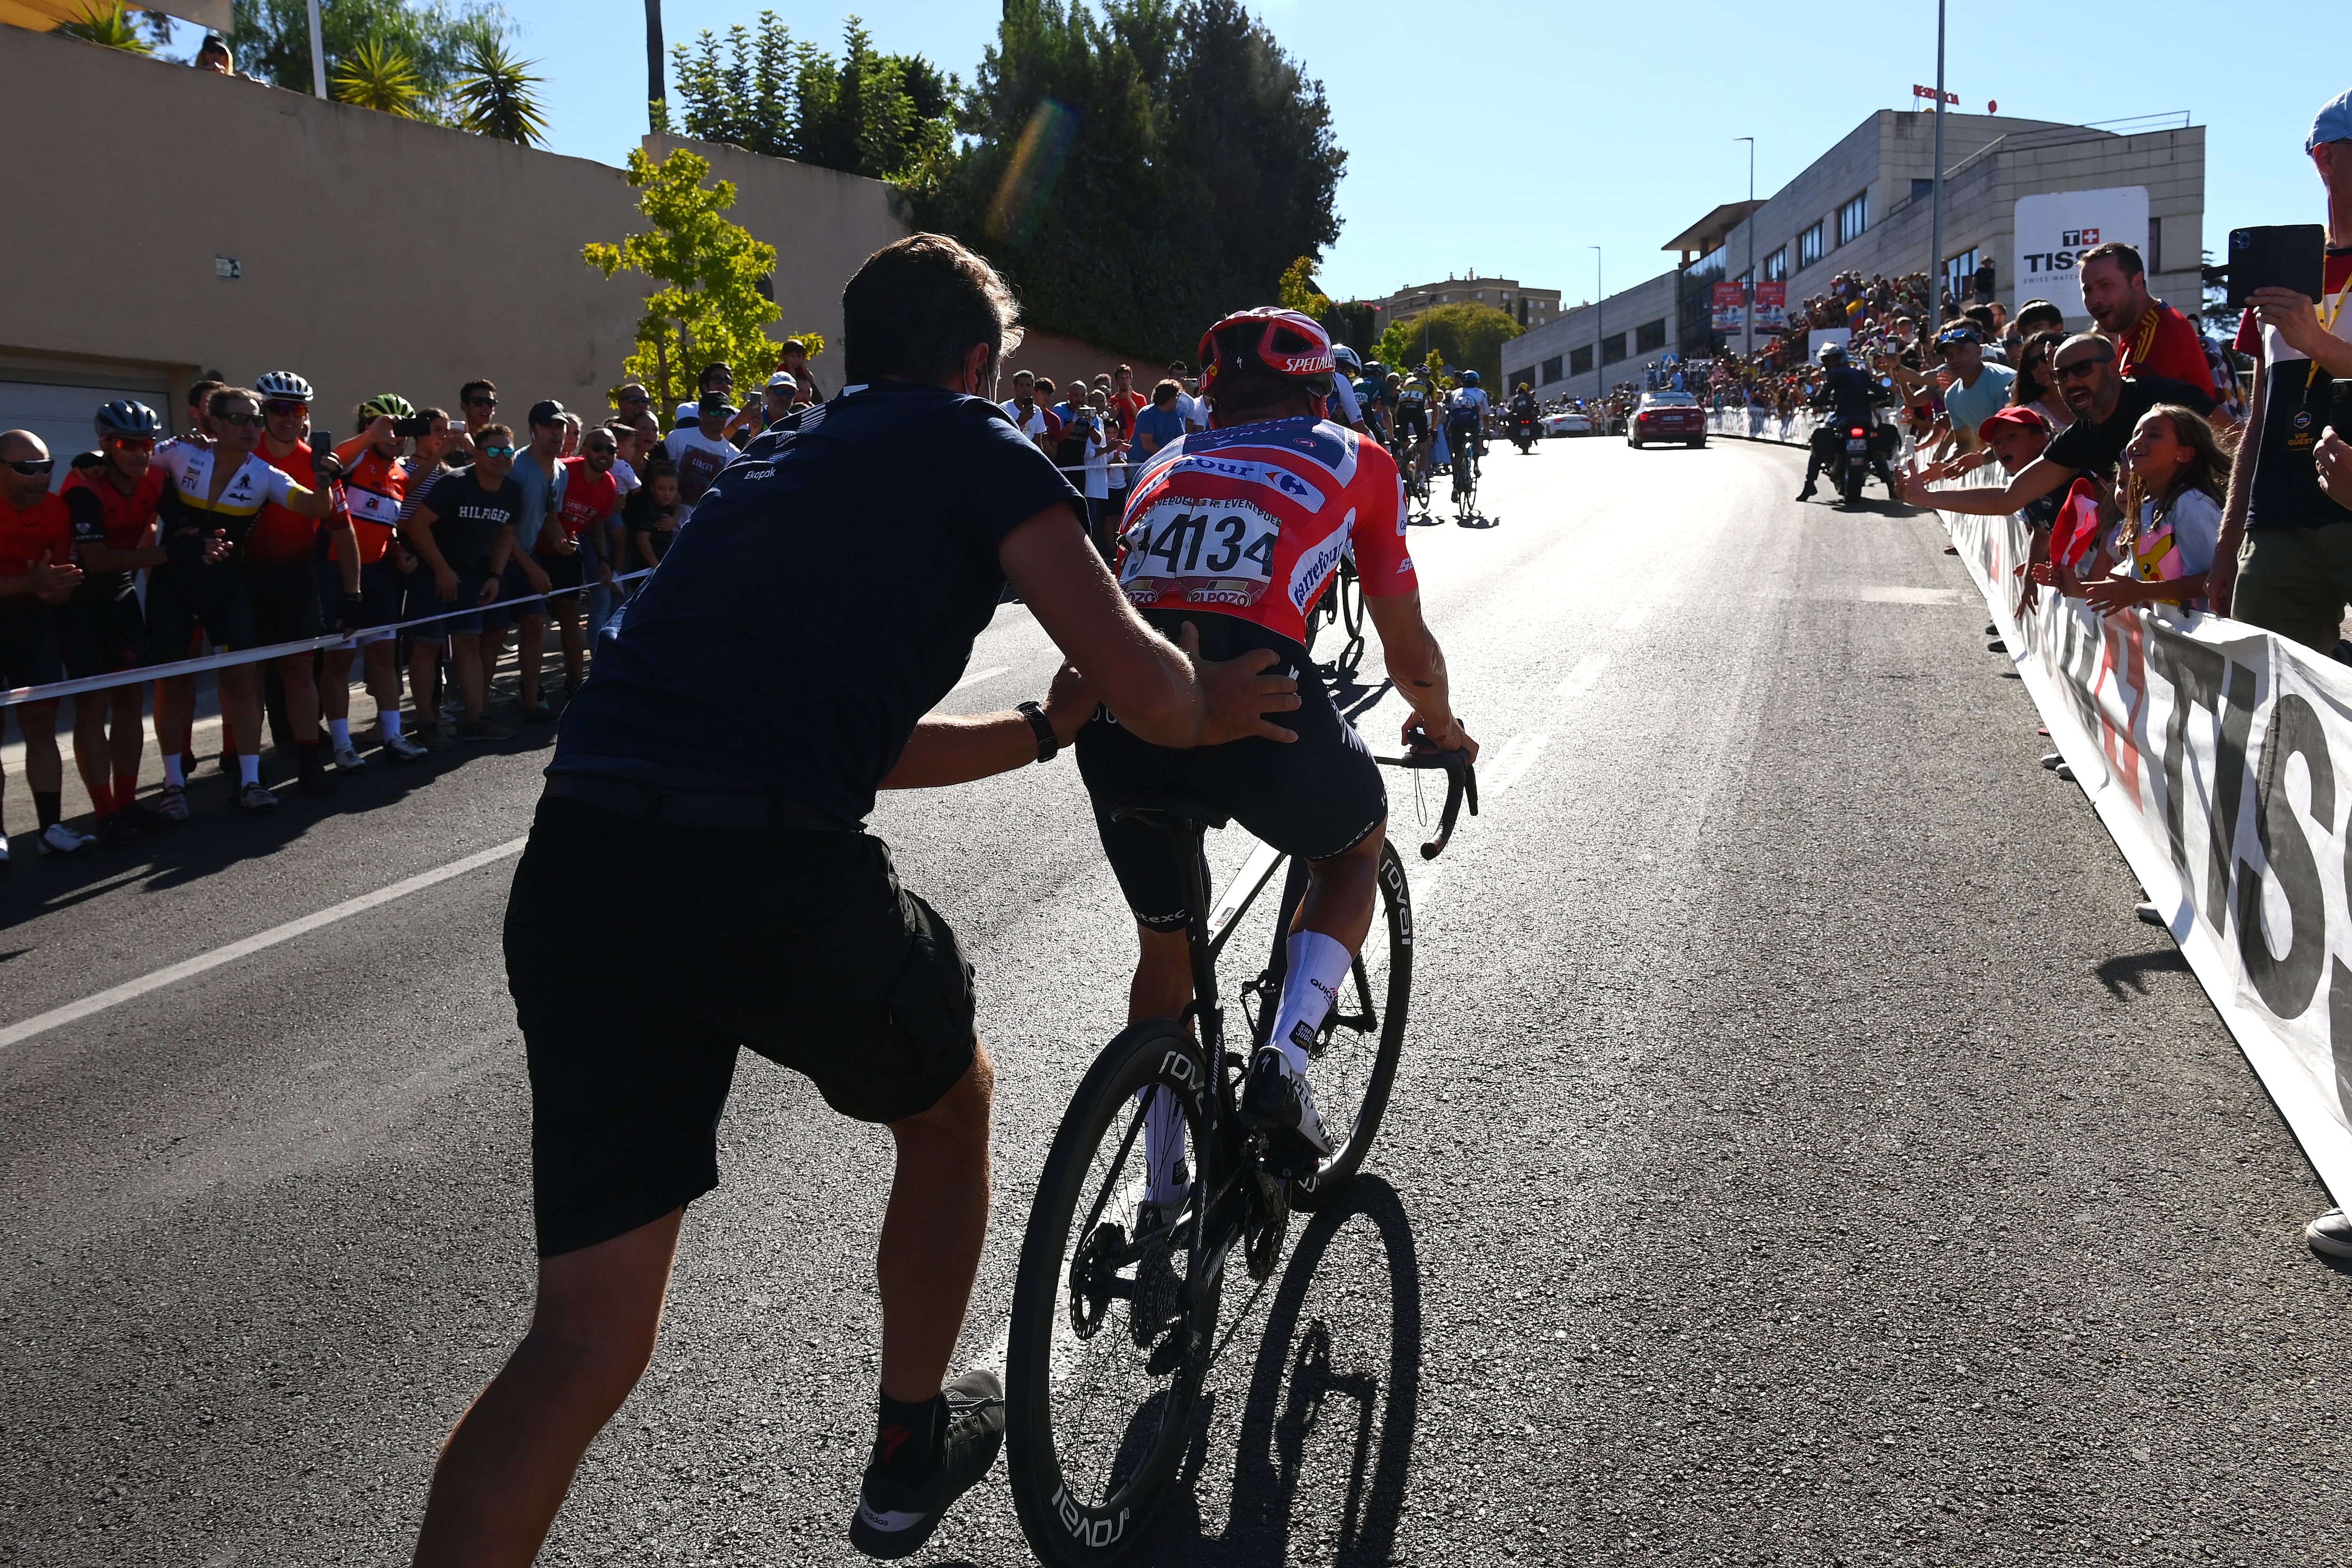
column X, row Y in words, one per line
column 1117, row 1303
column 1416, row 478
column 1343, row 602
column 1465, row 482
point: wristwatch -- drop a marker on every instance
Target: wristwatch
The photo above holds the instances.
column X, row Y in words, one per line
column 1047, row 742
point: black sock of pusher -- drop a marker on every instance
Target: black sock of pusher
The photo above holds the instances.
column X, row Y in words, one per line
column 907, row 1437
column 48, row 805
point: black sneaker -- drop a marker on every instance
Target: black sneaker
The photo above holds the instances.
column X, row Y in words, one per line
column 895, row 1517
column 1277, row 1100
column 115, row 830
column 1805, row 494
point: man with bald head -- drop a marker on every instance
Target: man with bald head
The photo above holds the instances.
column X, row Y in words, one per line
column 2106, row 405
column 37, row 573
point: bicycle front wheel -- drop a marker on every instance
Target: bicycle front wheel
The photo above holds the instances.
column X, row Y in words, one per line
column 1353, row 1064
column 1115, row 1306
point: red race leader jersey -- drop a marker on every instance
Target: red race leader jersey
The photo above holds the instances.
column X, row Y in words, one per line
column 1252, row 523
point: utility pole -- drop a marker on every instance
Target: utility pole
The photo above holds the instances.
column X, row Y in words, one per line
column 656, row 89
column 1747, row 302
column 1599, row 353
column 318, row 54
column 1936, row 220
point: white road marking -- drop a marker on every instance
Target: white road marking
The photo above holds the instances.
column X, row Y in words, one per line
column 1632, row 620
column 172, row 974
column 1517, row 758
column 1893, row 595
column 976, row 677
column 1580, row 679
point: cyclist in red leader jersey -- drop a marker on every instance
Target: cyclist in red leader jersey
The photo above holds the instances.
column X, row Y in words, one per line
column 1237, row 531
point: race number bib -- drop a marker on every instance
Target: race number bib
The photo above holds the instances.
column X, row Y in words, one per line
column 1210, row 553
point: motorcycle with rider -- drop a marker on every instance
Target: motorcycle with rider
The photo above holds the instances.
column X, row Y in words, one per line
column 1851, row 442
column 1525, row 415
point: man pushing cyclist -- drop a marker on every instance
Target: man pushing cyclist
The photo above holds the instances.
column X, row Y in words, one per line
column 1231, row 534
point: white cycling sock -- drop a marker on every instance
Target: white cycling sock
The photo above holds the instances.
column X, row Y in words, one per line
column 1318, row 967
column 172, row 775
column 339, row 731
column 249, row 767
column 389, row 718
column 1165, row 1176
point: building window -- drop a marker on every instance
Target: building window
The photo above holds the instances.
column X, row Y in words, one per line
column 1809, row 248
column 1922, row 189
column 1517, row 376
column 1579, row 361
column 1551, row 370
column 1853, row 219
column 1776, row 266
column 1612, row 349
column 2155, row 245
column 1649, row 336
column 1961, row 274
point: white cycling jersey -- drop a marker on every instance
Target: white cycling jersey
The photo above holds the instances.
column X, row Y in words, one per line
column 1344, row 395
column 1468, row 403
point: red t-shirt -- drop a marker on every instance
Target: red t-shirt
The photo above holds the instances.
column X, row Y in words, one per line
column 108, row 516
column 1126, row 404
column 2164, row 343
column 373, row 490
column 279, row 534
column 1252, row 523
column 26, row 531
column 585, row 496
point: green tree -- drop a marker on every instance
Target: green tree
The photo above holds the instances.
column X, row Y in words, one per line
column 888, row 117
column 114, row 25
column 1464, row 336
column 493, row 96
column 272, row 40
column 710, row 303
column 1298, row 291
column 377, row 76
column 1140, row 167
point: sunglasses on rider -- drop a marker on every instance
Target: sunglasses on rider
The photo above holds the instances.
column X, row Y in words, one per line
column 131, row 443
column 285, row 406
column 2080, row 367
column 497, row 451
column 31, row 468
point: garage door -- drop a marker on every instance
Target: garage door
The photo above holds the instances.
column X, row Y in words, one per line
column 58, row 411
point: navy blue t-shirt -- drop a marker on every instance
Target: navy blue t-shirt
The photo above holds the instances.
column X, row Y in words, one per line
column 823, row 597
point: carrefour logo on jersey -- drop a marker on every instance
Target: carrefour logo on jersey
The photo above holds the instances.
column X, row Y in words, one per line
column 1273, row 478
column 1319, row 562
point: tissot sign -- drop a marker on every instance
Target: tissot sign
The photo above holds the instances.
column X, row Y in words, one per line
column 2055, row 230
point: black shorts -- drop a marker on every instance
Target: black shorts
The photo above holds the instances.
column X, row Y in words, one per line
column 285, row 598
column 184, row 598
column 563, row 572
column 1411, row 422
column 1317, row 797
column 28, row 644
column 103, row 629
column 800, row 945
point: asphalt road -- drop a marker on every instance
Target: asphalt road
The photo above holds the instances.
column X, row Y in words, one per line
column 1802, row 1155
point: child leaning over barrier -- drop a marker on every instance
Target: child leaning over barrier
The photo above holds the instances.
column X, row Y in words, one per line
column 2175, row 476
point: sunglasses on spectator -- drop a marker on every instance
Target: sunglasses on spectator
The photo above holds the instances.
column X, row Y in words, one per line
column 31, row 468
column 131, row 443
column 285, row 406
column 497, row 451
column 599, row 447
column 241, row 421
column 2080, row 367
column 634, row 398
column 477, row 401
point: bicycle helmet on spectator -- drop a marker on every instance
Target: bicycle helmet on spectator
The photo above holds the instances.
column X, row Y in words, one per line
column 1469, row 378
column 387, row 406
column 124, row 417
column 1275, row 341
column 283, row 384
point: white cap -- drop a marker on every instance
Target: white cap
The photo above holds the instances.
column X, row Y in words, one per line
column 688, row 413
column 782, row 379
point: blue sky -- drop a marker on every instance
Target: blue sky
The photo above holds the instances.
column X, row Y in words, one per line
column 1510, row 136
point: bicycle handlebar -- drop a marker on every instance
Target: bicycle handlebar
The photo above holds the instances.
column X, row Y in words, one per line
column 1461, row 784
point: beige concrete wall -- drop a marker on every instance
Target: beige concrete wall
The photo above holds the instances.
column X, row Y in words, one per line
column 376, row 254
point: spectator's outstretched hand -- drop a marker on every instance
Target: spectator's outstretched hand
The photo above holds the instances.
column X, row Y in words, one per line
column 2334, row 457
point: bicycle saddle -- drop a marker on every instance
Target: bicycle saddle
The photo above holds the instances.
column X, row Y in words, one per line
column 1166, row 812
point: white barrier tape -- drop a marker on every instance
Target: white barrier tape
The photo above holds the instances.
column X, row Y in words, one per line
column 14, row 696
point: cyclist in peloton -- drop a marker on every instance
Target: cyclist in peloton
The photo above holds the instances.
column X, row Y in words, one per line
column 1346, row 368
column 1467, row 416
column 1413, row 403
column 1235, row 531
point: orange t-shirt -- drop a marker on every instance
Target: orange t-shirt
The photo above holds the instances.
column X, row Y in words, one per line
column 25, row 531
column 279, row 535
column 373, row 489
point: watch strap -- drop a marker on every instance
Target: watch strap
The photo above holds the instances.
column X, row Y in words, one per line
column 1048, row 743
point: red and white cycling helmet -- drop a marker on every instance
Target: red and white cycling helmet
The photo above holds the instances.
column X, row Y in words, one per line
column 1283, row 342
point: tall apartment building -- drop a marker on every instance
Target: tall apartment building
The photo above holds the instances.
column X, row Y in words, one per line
column 1528, row 307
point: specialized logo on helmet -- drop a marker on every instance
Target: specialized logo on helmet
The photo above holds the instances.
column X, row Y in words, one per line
column 1307, row 366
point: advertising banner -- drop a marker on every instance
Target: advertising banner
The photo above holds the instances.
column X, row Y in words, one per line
column 1772, row 306
column 1728, row 307
column 2053, row 230
column 2216, row 755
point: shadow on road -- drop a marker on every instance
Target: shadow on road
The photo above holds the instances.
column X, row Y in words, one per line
column 1328, row 1424
column 2129, row 971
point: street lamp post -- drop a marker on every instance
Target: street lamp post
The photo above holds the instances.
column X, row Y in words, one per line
column 1748, row 302
column 1599, row 353
column 1935, row 219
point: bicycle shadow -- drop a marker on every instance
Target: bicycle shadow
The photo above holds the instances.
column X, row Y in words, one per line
column 1299, row 1387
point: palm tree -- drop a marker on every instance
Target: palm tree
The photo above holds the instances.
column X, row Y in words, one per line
column 381, row 76
column 495, row 95
column 656, row 87
column 119, row 29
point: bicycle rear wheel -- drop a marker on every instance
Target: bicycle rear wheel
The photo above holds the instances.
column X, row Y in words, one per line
column 1352, row 1065
column 1111, row 1331
column 1351, row 603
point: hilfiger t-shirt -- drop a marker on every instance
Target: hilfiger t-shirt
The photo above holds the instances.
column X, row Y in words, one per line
column 186, row 505
column 280, row 534
column 25, row 532
column 375, row 492
column 582, row 496
column 2286, row 493
column 1252, row 523
column 467, row 519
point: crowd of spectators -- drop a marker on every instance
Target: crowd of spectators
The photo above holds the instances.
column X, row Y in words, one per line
column 427, row 544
